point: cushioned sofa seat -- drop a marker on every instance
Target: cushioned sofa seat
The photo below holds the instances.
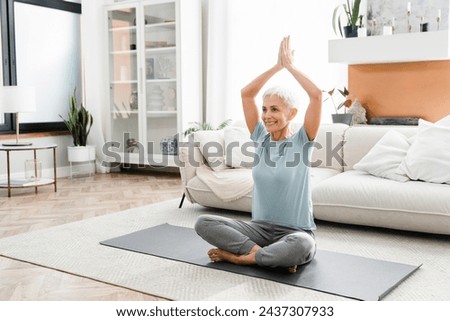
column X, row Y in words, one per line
column 356, row 197
column 319, row 174
column 199, row 191
column 340, row 192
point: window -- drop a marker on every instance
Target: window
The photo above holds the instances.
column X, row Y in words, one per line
column 41, row 47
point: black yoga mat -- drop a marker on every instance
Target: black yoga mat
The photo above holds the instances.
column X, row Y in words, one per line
column 336, row 273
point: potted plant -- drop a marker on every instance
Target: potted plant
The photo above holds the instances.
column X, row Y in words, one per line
column 351, row 12
column 79, row 122
column 345, row 118
column 205, row 126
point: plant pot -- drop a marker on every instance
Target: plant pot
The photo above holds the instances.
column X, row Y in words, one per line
column 350, row 32
column 81, row 153
column 343, row 118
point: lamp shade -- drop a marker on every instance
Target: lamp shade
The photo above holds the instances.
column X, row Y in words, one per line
column 17, row 99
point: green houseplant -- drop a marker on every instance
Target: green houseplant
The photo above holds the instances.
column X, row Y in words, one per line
column 205, row 126
column 350, row 11
column 344, row 117
column 79, row 123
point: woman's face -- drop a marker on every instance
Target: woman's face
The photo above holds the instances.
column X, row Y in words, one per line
column 275, row 114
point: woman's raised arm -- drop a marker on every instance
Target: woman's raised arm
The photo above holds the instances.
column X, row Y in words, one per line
column 314, row 110
column 249, row 93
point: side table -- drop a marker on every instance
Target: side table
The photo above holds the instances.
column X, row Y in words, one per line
column 22, row 183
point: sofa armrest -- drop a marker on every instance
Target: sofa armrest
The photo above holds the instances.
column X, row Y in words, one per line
column 190, row 158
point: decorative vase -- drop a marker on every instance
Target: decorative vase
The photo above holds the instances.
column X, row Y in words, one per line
column 169, row 146
column 156, row 99
column 350, row 32
column 134, row 100
column 343, row 118
column 33, row 170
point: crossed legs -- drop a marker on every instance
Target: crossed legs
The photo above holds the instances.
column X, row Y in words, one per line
column 247, row 243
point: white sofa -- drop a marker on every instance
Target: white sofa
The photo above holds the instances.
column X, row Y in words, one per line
column 340, row 193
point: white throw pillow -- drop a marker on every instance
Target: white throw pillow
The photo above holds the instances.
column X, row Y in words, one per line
column 239, row 148
column 386, row 156
column 211, row 144
column 428, row 158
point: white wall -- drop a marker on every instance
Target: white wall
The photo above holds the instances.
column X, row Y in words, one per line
column 257, row 27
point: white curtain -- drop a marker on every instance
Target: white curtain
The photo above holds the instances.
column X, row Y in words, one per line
column 93, row 71
column 218, row 61
column 242, row 42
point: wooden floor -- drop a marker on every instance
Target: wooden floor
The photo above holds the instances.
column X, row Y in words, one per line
column 76, row 199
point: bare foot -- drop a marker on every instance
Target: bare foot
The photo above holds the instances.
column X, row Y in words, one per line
column 218, row 255
column 293, row 269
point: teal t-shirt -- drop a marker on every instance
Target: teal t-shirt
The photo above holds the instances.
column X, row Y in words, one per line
column 281, row 175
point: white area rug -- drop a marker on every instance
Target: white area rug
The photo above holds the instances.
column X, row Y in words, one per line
column 75, row 248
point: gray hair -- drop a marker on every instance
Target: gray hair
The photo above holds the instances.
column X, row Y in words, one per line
column 290, row 97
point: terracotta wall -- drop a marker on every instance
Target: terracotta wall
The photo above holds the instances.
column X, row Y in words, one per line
column 418, row 89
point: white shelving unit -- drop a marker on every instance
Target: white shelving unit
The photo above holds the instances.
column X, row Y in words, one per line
column 154, row 75
column 404, row 47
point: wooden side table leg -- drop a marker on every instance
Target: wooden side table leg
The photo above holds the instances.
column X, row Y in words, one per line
column 54, row 168
column 8, row 173
column 35, row 171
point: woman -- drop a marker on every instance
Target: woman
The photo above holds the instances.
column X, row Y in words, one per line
column 280, row 233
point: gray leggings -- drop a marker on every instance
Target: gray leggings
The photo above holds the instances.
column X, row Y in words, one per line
column 280, row 246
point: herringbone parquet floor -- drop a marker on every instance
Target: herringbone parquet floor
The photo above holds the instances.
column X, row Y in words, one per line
column 76, row 199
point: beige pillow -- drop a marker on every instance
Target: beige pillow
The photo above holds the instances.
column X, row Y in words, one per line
column 211, row 144
column 385, row 157
column 239, row 148
column 428, row 158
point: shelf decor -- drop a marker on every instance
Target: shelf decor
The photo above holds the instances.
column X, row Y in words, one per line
column 165, row 59
column 351, row 12
column 343, row 117
column 409, row 16
column 169, row 146
column 33, row 170
column 400, row 47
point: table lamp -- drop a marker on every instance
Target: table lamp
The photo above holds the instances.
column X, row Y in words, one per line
column 17, row 99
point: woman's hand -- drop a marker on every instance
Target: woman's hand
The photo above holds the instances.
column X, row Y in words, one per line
column 286, row 54
column 279, row 64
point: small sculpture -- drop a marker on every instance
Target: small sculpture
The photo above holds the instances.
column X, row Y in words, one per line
column 359, row 113
column 132, row 145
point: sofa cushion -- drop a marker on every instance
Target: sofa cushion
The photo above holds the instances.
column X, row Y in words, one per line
column 318, row 174
column 224, row 183
column 359, row 140
column 428, row 158
column 239, row 148
column 357, row 197
column 199, row 191
column 211, row 144
column 328, row 152
column 384, row 159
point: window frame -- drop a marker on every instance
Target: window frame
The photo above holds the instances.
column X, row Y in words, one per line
column 9, row 59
